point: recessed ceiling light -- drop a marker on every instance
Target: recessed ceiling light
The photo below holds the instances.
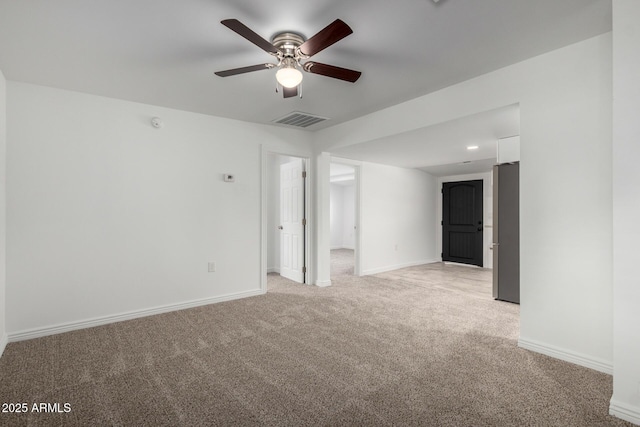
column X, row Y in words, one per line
column 472, row 147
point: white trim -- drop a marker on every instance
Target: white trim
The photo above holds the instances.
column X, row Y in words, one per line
column 323, row 283
column 273, row 270
column 309, row 214
column 397, row 266
column 358, row 250
column 322, row 226
column 567, row 355
column 624, row 411
column 263, row 219
column 3, row 343
column 98, row 321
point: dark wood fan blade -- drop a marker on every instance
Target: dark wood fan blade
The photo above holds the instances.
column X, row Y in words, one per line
column 247, row 33
column 332, row 71
column 290, row 92
column 330, row 34
column 242, row 70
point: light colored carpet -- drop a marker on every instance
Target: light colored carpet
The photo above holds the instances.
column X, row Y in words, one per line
column 422, row 346
column 342, row 262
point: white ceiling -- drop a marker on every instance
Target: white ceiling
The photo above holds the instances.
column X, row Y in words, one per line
column 164, row 52
column 441, row 149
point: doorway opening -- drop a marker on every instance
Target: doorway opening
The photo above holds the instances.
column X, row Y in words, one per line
column 343, row 219
column 287, row 215
column 463, row 222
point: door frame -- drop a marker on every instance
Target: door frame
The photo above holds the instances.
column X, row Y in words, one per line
column 356, row 165
column 308, row 236
column 487, row 193
column 478, row 229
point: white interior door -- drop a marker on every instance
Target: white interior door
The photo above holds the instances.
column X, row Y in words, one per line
column 291, row 220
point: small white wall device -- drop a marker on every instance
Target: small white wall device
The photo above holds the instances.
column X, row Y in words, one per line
column 156, row 122
column 228, row 177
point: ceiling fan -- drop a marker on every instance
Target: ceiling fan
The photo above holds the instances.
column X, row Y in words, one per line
column 290, row 49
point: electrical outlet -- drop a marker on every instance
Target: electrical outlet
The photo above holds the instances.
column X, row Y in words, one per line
column 212, row 267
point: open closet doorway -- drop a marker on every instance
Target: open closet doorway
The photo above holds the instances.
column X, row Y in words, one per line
column 287, row 211
column 343, row 219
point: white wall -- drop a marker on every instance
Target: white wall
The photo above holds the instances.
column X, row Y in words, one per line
column 3, row 189
column 487, row 213
column 336, row 216
column 107, row 215
column 508, row 150
column 321, row 234
column 565, row 187
column 397, row 217
column 349, row 216
column 626, row 210
column 342, row 216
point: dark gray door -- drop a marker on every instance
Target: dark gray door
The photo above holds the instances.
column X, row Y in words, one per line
column 506, row 232
column 462, row 222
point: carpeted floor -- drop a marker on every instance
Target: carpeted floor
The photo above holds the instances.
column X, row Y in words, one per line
column 421, row 346
column 342, row 262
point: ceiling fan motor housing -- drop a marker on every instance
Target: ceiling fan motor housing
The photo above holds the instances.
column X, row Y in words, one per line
column 287, row 42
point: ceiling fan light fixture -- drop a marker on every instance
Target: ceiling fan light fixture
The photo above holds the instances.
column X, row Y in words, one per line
column 289, row 76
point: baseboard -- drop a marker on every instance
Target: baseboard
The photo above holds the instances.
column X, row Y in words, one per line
column 567, row 356
column 3, row 343
column 323, row 283
column 98, row 321
column 624, row 411
column 396, row 267
column 273, row 270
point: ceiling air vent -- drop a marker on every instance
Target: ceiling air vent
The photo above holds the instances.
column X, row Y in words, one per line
column 301, row 120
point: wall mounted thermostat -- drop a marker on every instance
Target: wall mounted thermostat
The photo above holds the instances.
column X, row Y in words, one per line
column 228, row 177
